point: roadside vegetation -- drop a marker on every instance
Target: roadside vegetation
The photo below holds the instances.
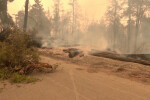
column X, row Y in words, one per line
column 19, row 57
column 19, row 42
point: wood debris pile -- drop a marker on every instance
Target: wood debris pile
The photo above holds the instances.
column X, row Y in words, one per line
column 34, row 66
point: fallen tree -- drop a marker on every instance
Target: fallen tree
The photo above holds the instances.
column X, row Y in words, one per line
column 114, row 56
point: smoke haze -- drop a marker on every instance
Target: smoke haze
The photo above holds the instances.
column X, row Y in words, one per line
column 88, row 29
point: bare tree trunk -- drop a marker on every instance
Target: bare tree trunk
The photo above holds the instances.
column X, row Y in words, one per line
column 138, row 20
column 129, row 25
column 26, row 15
column 3, row 13
column 73, row 9
column 115, row 31
column 5, row 8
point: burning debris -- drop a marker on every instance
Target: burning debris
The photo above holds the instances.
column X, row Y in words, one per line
column 135, row 58
column 139, row 56
column 80, row 52
column 73, row 52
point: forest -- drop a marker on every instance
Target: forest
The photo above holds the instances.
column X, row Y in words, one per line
column 74, row 50
column 124, row 27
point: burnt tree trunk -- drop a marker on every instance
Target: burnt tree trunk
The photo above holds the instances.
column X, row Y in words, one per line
column 114, row 56
column 3, row 12
column 129, row 25
column 26, row 15
column 115, row 30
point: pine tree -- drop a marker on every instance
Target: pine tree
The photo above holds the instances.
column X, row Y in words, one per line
column 56, row 18
column 38, row 19
column 26, row 15
column 113, row 18
column 5, row 18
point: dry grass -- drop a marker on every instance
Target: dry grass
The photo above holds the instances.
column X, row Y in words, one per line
column 17, row 78
column 1, row 89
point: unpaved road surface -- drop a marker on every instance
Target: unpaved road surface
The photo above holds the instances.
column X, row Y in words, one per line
column 74, row 82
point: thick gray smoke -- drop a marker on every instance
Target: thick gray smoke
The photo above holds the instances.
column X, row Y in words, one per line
column 90, row 39
column 111, row 36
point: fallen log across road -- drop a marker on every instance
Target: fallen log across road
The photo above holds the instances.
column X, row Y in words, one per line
column 114, row 56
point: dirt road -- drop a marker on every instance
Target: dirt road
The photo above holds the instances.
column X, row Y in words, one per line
column 73, row 82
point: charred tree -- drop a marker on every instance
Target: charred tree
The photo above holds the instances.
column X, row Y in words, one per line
column 26, row 15
column 57, row 18
column 73, row 10
column 129, row 24
column 115, row 31
column 139, row 14
column 5, row 18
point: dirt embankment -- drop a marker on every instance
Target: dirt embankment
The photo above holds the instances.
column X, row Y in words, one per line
column 133, row 71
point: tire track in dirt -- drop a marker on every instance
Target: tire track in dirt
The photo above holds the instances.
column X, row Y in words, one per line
column 77, row 95
column 74, row 84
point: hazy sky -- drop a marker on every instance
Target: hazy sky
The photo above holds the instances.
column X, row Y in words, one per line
column 94, row 9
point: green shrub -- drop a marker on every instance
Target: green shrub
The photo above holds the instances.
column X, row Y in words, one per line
column 3, row 54
column 5, row 73
column 16, row 50
column 4, row 34
column 17, row 78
